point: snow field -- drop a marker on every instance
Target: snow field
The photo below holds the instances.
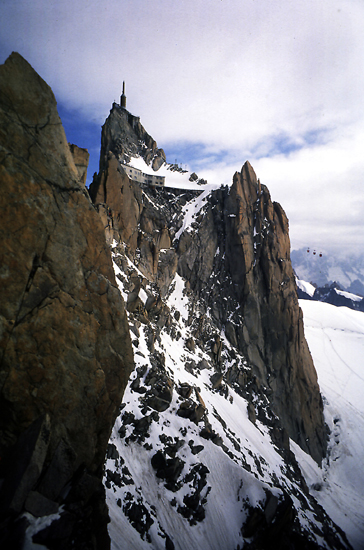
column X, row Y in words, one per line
column 335, row 336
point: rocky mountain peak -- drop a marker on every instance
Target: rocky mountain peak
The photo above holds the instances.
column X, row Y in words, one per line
column 214, row 317
column 124, row 136
column 235, row 256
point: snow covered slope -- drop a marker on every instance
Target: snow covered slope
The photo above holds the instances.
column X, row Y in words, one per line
column 335, row 337
column 200, row 455
column 198, row 469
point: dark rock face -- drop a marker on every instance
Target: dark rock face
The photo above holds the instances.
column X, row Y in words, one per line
column 259, row 259
column 122, row 135
column 65, row 346
column 240, row 257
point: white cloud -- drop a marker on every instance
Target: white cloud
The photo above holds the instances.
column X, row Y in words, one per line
column 278, row 83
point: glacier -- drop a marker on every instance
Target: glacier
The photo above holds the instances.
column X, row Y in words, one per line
column 335, row 336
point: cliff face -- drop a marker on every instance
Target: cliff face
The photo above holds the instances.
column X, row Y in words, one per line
column 276, row 344
column 144, row 223
column 235, row 258
column 65, row 346
column 243, row 241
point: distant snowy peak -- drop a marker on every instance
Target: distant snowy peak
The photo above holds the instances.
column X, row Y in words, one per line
column 326, row 269
column 329, row 294
column 307, row 288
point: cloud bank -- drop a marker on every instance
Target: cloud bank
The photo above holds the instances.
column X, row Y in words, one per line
column 218, row 82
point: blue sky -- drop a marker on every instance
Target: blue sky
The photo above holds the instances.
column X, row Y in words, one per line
column 218, row 82
column 84, row 132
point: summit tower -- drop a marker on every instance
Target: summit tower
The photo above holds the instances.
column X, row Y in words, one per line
column 123, row 98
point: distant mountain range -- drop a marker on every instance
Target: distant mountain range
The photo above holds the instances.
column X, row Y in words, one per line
column 322, row 269
column 330, row 294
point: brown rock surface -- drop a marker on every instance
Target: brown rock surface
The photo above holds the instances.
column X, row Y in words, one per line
column 124, row 200
column 64, row 342
column 137, row 215
column 238, row 260
column 80, row 157
column 258, row 252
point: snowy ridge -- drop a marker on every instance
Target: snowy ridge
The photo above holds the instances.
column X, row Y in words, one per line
column 191, row 210
column 349, row 295
column 330, row 294
column 174, row 178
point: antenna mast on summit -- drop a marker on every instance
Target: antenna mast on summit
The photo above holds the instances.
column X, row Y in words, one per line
column 123, row 97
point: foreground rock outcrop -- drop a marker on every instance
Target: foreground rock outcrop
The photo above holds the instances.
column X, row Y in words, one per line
column 80, row 157
column 64, row 341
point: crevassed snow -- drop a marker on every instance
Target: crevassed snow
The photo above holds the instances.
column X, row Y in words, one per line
column 336, row 340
